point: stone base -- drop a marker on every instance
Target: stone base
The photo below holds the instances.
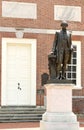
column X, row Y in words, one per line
column 59, row 115
column 58, row 126
column 59, row 121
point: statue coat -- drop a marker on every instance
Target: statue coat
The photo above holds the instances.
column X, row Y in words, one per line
column 62, row 44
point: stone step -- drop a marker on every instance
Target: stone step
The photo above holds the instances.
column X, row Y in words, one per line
column 27, row 106
column 21, row 114
column 21, row 109
column 19, row 118
column 18, row 121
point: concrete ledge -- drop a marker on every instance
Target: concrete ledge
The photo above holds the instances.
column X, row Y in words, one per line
column 59, row 126
column 59, row 117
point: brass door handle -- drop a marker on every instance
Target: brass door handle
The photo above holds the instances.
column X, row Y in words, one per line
column 19, row 86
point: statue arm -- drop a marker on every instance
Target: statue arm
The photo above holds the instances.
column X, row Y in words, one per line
column 71, row 46
column 54, row 43
column 70, row 41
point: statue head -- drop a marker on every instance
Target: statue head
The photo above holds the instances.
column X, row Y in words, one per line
column 64, row 23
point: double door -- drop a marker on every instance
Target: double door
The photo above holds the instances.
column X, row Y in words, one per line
column 18, row 83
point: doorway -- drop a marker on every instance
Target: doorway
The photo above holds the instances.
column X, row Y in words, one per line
column 18, row 80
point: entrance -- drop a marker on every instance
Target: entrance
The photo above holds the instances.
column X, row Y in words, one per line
column 18, row 87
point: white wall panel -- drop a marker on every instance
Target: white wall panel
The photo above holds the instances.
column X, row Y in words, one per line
column 19, row 10
column 69, row 13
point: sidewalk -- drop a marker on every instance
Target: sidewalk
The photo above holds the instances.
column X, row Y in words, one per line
column 22, row 129
column 82, row 128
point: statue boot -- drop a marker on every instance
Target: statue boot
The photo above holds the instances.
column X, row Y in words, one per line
column 63, row 74
column 58, row 75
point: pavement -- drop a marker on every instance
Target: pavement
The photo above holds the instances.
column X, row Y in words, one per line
column 82, row 128
column 22, row 129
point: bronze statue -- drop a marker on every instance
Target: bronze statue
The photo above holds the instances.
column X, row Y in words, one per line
column 62, row 49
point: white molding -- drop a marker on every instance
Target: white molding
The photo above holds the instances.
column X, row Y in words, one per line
column 36, row 30
column 19, row 33
column 78, row 75
column 19, row 10
column 69, row 13
column 78, row 97
column 32, row 42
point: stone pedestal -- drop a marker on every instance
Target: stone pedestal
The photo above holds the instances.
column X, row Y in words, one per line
column 59, row 115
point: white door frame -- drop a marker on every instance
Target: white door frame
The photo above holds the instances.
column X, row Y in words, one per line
column 32, row 42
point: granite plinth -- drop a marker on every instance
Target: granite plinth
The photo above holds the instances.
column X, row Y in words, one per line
column 59, row 115
column 44, row 125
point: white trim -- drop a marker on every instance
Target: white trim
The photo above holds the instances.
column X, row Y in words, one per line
column 19, row 10
column 78, row 97
column 78, row 75
column 71, row 13
column 33, row 67
column 36, row 30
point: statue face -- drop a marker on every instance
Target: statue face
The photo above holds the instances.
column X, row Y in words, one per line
column 64, row 27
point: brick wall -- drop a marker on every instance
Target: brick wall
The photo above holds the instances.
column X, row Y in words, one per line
column 45, row 16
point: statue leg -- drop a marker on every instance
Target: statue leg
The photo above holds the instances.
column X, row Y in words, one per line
column 64, row 71
column 58, row 68
column 66, row 58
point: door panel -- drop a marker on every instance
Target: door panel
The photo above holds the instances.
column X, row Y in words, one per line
column 18, row 74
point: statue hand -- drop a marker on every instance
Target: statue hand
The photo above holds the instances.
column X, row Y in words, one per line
column 51, row 53
column 73, row 49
